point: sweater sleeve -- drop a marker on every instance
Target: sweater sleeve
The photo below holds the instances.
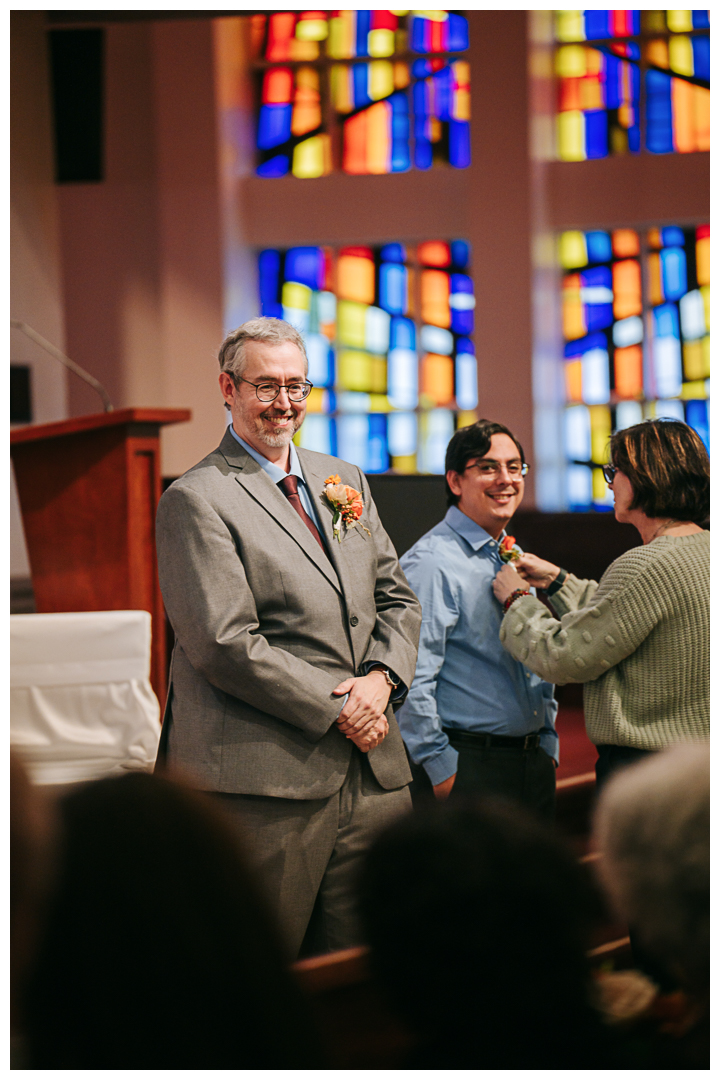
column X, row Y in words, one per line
column 586, row 641
column 574, row 593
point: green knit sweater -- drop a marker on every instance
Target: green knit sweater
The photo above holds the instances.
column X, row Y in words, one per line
column 639, row 640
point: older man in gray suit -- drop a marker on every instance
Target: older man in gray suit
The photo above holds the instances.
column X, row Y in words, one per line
column 291, row 642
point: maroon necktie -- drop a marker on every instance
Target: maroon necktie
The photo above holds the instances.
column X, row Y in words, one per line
column 289, row 488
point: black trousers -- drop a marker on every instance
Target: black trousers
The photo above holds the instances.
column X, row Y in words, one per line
column 611, row 758
column 523, row 776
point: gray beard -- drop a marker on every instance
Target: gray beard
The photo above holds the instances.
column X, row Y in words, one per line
column 283, row 438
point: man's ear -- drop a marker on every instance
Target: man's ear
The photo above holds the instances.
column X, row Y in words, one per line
column 227, row 387
column 453, row 482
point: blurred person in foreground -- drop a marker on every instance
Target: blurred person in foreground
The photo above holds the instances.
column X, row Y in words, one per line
column 476, row 719
column 640, row 639
column 478, row 921
column 652, row 830
column 159, row 952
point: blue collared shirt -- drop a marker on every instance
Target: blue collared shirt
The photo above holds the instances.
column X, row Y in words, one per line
column 464, row 678
column 276, row 473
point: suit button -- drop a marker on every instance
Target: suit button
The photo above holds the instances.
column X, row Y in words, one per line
column 354, row 620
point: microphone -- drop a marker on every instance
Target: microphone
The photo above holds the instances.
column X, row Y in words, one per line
column 68, row 363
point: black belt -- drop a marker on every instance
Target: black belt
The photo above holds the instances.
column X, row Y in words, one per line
column 474, row 739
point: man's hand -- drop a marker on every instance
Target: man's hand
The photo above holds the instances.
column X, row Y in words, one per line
column 506, row 582
column 372, row 736
column 368, row 696
column 536, row 571
column 443, row 790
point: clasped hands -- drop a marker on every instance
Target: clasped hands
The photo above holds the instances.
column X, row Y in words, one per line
column 362, row 718
column 528, row 570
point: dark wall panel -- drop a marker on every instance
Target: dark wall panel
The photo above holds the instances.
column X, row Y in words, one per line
column 77, row 86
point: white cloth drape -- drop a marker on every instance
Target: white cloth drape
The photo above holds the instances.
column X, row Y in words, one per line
column 81, row 703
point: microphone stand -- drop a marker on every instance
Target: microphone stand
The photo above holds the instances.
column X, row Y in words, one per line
column 65, row 360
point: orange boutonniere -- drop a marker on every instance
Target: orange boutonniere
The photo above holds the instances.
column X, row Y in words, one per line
column 508, row 552
column 346, row 504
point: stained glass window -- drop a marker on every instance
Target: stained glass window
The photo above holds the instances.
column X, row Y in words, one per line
column 387, row 336
column 643, row 83
column 364, row 91
column 636, row 323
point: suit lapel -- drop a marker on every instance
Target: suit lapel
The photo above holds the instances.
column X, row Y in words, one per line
column 344, row 564
column 268, row 496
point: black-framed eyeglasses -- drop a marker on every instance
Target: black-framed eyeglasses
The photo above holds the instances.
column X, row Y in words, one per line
column 268, row 391
column 608, row 472
column 487, row 468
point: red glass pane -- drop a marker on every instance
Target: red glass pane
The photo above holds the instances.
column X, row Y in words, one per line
column 702, row 231
column 277, row 87
column 360, row 252
column 383, row 20
column 434, row 253
column 280, row 32
column 438, row 36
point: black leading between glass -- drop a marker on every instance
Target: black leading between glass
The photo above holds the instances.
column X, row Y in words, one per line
column 268, row 391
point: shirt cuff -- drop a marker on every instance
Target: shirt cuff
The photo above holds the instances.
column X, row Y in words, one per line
column 443, row 766
column 344, row 700
column 398, row 692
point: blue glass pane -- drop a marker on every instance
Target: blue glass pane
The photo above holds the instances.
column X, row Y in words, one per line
column 463, row 345
column 402, row 433
column 633, row 50
column 696, row 414
column 573, row 349
column 402, row 379
column 633, row 135
column 402, row 334
column 666, row 321
column 674, row 273
column 271, row 309
column 423, row 153
column 320, row 366
column 362, row 25
column 318, row 434
column 273, row 125
column 597, row 25
column 701, row 57
column 421, row 98
column 377, row 449
column 466, row 392
column 597, row 316
column 420, row 36
column 599, row 247
column 400, row 127
column 305, row 264
column 459, row 143
column 392, row 253
column 634, row 22
column 268, row 276
column 457, row 31
column 393, row 288
column 460, row 253
column 443, row 87
column 421, row 69
column 276, row 166
column 596, row 136
column 360, row 86
column 672, row 237
column 613, row 81
column 701, row 20
column 659, row 112
column 462, row 322
column 596, row 277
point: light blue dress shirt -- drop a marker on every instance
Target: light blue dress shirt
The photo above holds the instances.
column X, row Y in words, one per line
column 464, row 678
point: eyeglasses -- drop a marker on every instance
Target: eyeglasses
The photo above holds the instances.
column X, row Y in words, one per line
column 268, row 391
column 488, row 468
column 608, row 472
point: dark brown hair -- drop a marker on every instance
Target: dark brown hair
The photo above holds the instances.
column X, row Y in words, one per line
column 668, row 467
column 472, row 442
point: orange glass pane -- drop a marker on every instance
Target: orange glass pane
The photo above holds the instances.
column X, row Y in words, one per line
column 629, row 372
column 436, row 379
column 702, row 249
column 627, row 289
column 435, row 298
column 277, row 86
column 569, row 95
column 379, row 137
column 356, row 279
column 655, row 288
column 591, row 94
column 625, row 242
column 702, row 117
column 280, row 33
column 401, row 76
column 307, row 114
column 654, row 239
column 433, row 253
column 355, row 144
column 683, row 100
column 656, row 53
column 573, row 380
column 573, row 312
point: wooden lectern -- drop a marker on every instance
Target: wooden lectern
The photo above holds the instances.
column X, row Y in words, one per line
column 89, row 489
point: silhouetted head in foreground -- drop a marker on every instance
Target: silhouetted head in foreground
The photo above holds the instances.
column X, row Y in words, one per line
column 478, row 920
column 159, row 954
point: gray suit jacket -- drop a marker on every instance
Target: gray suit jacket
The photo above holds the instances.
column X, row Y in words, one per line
column 267, row 626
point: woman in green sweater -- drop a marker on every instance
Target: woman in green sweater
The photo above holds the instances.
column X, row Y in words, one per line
column 640, row 638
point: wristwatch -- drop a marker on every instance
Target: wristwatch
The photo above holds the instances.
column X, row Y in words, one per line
column 394, row 683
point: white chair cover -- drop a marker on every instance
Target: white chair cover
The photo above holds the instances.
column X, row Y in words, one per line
column 81, row 703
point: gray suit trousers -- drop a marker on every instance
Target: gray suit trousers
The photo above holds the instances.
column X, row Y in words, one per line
column 308, row 852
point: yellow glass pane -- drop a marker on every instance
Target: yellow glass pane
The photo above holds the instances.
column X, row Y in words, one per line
column 572, row 250
column 694, row 391
column 571, row 136
column 695, row 360
column 304, row 50
column 355, row 371
column 706, row 355
column 627, row 289
column 629, row 372
column 295, row 295
column 435, row 298
column 378, row 384
column 436, row 379
column 311, row 158
column 311, row 29
column 681, row 55
column 571, row 61
column 405, row 464
column 705, row 293
column 356, row 279
column 701, row 110
column 656, row 53
column 351, row 323
column 461, row 72
column 679, row 21
column 341, row 40
column 594, row 61
column 381, row 82
column 655, row 288
column 341, row 88
column 573, row 381
column 381, row 43
column 466, row 418
column 433, row 16
column 401, row 76
column 600, row 432
column 653, row 22
column 599, row 486
column 569, row 26
column 315, row 400
column 461, row 104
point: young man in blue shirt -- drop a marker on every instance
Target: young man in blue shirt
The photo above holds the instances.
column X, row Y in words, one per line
column 477, row 720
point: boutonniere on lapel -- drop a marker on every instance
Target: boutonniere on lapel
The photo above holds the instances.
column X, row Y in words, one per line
column 346, row 504
column 508, row 551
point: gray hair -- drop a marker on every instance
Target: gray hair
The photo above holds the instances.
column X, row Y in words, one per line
column 652, row 829
column 232, row 356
